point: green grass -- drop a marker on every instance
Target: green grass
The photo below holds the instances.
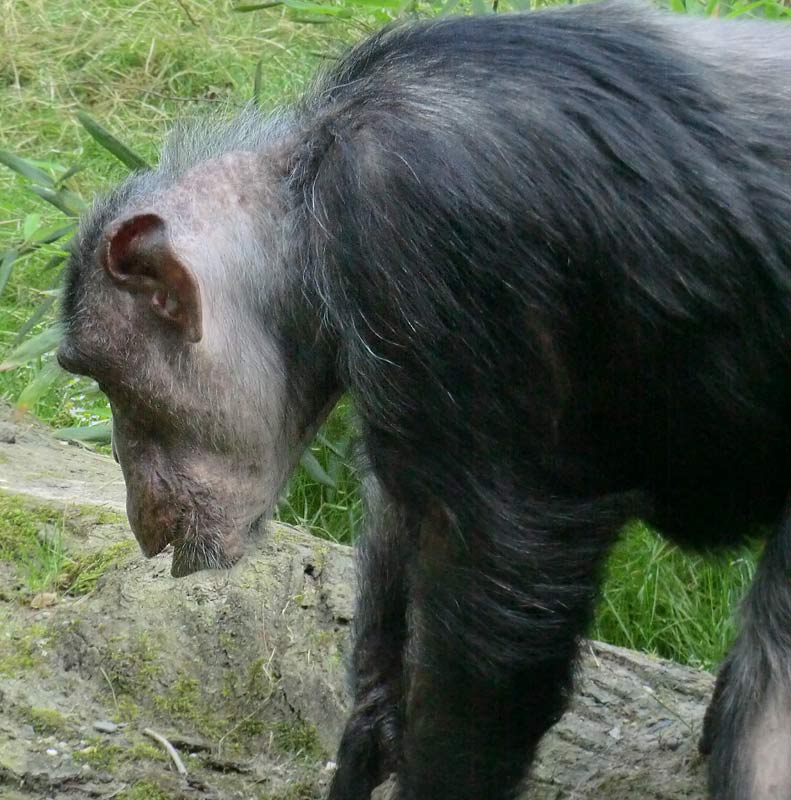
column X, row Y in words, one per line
column 31, row 542
column 662, row 601
column 138, row 65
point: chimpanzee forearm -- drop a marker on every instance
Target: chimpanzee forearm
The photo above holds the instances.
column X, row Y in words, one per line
column 492, row 652
column 370, row 747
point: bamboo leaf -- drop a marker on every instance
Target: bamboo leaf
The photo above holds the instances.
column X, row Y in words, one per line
column 340, row 448
column 314, row 8
column 44, row 379
column 376, row 4
column 315, row 470
column 41, row 311
column 99, row 434
column 48, row 237
column 30, row 226
column 34, row 347
column 69, row 203
column 114, row 146
column 313, row 20
column 744, row 9
column 6, row 265
column 70, row 173
column 25, row 168
column 257, row 6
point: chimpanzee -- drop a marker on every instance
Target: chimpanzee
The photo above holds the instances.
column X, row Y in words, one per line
column 548, row 256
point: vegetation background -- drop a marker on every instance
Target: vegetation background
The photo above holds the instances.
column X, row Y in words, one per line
column 134, row 67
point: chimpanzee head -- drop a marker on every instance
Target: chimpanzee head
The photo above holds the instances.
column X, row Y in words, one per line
column 181, row 301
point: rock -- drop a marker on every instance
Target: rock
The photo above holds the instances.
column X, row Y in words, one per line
column 105, row 726
column 243, row 671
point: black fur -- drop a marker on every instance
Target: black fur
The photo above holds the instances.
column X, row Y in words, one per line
column 556, row 251
column 551, row 253
column 556, row 248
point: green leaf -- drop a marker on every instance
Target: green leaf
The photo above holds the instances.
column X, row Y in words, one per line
column 100, row 434
column 34, row 391
column 312, row 20
column 36, row 346
column 6, row 265
column 30, row 226
column 67, row 202
column 745, row 9
column 376, row 4
column 70, row 173
column 41, row 311
column 315, row 8
column 117, row 148
column 48, row 237
column 25, row 168
column 340, row 449
column 257, row 6
column 315, row 470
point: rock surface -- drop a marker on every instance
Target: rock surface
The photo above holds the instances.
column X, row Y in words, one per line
column 242, row 671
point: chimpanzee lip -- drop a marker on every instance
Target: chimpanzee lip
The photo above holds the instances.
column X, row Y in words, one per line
column 187, row 558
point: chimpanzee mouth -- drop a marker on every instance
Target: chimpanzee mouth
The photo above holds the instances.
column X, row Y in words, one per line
column 196, row 553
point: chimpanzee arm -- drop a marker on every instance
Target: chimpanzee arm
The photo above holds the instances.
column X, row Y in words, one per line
column 500, row 604
column 370, row 747
column 747, row 729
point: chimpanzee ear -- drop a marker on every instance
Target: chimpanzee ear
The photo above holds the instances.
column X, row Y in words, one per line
column 138, row 257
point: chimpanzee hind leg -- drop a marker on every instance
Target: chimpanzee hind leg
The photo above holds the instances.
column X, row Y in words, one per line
column 748, row 725
column 370, row 746
column 499, row 604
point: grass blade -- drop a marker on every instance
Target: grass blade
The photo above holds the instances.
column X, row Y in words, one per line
column 257, row 81
column 117, row 148
column 36, row 346
column 26, row 169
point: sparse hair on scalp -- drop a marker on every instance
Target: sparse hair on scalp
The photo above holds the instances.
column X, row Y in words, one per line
column 549, row 257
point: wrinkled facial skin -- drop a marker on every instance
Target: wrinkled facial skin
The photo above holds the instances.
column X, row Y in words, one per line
column 177, row 303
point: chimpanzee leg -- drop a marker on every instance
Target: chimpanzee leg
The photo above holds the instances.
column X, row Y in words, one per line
column 498, row 609
column 748, row 725
column 370, row 747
